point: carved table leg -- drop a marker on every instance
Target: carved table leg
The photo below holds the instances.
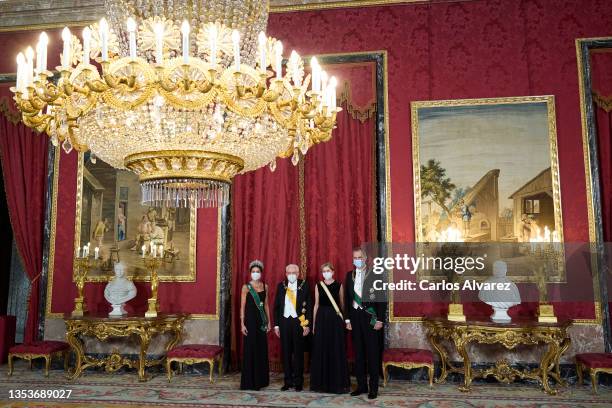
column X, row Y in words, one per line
column 79, row 353
column 443, row 358
column 547, row 359
column 557, row 373
column 145, row 339
column 467, row 365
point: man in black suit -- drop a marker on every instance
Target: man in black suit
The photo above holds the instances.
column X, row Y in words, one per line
column 292, row 315
column 365, row 320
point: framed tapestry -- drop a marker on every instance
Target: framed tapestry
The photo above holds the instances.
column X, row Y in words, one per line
column 486, row 171
column 109, row 216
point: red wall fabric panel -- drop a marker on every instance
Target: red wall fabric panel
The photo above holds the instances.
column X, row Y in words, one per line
column 475, row 49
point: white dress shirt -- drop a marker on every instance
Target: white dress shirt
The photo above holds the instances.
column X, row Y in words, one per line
column 289, row 308
column 358, row 286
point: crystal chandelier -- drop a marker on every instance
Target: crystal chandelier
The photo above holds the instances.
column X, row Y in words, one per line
column 185, row 93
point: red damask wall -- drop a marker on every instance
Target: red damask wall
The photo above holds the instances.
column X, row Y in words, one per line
column 468, row 49
column 442, row 50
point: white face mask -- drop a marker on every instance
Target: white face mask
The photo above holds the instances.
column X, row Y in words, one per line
column 255, row 276
column 327, row 275
column 292, row 278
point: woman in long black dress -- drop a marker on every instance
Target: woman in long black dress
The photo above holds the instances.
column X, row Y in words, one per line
column 255, row 325
column 329, row 367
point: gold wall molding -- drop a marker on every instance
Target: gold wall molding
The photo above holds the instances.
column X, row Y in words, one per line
column 588, row 176
column 25, row 15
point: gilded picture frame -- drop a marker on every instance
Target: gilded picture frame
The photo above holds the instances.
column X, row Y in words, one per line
column 467, row 172
column 180, row 265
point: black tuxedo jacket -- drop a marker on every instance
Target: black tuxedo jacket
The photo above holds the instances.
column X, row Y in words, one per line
column 349, row 290
column 303, row 301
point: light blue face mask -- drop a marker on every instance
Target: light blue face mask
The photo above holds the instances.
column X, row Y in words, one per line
column 359, row 263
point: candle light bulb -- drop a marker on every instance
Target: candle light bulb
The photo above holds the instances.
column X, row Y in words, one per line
column 315, row 68
column 159, row 42
column 213, row 44
column 66, row 57
column 131, row 27
column 324, row 89
column 66, row 34
column 332, row 93
column 293, row 64
column 236, row 42
column 144, row 249
column 41, row 60
column 278, row 47
column 29, row 66
column 185, row 31
column 262, row 50
column 20, row 72
column 86, row 44
column 185, row 27
column 103, row 26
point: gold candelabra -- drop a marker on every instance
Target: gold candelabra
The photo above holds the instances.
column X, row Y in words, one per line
column 152, row 264
column 546, row 311
column 83, row 266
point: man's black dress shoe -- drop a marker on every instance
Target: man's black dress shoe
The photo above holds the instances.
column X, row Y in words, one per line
column 285, row 387
column 298, row 388
column 358, row 392
column 372, row 395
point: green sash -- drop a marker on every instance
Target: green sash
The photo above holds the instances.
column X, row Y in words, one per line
column 370, row 310
column 260, row 306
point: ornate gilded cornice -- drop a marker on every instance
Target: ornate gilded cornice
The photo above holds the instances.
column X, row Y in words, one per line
column 19, row 15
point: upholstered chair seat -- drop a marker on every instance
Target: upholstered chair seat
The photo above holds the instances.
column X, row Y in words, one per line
column 408, row 358
column 195, row 353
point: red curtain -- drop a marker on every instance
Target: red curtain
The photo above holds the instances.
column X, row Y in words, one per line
column 340, row 195
column 339, row 204
column 265, row 226
column 601, row 76
column 24, row 166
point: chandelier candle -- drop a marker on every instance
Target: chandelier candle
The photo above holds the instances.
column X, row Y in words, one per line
column 185, row 104
column 86, row 44
column 103, row 27
column 185, row 32
column 66, row 57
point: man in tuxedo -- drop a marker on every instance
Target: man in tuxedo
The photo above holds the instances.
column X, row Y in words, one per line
column 365, row 320
column 292, row 315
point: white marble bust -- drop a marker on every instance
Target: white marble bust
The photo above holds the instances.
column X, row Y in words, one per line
column 500, row 293
column 119, row 291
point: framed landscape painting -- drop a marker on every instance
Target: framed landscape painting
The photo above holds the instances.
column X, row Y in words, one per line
column 486, row 171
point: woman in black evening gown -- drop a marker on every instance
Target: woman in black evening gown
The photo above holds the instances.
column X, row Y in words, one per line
column 329, row 366
column 255, row 325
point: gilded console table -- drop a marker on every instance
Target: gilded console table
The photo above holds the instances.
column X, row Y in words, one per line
column 103, row 327
column 461, row 334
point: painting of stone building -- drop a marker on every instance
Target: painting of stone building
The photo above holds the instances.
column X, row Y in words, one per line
column 486, row 170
